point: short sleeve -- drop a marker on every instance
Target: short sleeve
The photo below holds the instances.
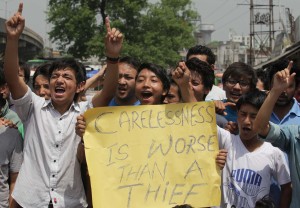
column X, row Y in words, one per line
column 282, row 172
column 17, row 153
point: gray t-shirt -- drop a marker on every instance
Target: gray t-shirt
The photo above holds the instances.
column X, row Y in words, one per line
column 11, row 157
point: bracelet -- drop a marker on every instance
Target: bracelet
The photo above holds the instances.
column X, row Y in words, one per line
column 112, row 60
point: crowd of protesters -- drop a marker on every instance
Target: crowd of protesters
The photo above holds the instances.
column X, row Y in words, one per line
column 258, row 120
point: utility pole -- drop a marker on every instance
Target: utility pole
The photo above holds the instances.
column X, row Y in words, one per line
column 5, row 9
column 262, row 33
column 251, row 55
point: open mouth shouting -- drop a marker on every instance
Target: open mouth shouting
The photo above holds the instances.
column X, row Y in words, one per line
column 59, row 90
column 246, row 129
column 235, row 95
column 122, row 89
column 145, row 96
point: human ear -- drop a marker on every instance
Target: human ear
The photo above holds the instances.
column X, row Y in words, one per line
column 80, row 87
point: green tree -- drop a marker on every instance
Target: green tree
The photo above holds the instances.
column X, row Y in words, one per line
column 167, row 29
column 153, row 32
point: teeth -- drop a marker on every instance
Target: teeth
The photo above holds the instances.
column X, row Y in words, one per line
column 236, row 94
column 246, row 129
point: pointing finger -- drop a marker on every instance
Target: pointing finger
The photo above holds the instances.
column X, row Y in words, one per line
column 290, row 65
column 107, row 24
column 20, row 9
column 229, row 104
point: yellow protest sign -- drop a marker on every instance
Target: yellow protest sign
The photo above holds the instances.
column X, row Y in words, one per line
column 153, row 156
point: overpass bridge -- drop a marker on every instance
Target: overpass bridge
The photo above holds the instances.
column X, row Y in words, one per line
column 30, row 44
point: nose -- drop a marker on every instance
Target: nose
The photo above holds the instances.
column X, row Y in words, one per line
column 146, row 83
column 122, row 80
column 42, row 91
column 237, row 86
column 247, row 120
column 59, row 79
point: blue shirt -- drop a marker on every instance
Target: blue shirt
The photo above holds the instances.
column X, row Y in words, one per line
column 114, row 103
column 287, row 138
column 231, row 113
column 292, row 117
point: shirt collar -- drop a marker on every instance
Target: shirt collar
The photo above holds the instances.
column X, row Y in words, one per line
column 295, row 108
column 74, row 105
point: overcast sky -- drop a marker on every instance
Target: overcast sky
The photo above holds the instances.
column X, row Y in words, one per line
column 224, row 14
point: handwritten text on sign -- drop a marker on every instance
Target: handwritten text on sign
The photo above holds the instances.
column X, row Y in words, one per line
column 153, row 156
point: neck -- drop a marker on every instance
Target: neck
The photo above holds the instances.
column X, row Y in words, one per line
column 61, row 108
column 281, row 111
column 252, row 144
column 122, row 102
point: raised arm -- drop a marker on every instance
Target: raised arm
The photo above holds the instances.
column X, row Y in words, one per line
column 14, row 28
column 182, row 75
column 96, row 80
column 280, row 83
column 113, row 45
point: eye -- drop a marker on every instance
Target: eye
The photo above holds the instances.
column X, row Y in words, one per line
column 67, row 76
column 139, row 79
column 37, row 87
column 54, row 76
column 244, row 83
column 195, row 83
column 231, row 81
column 128, row 77
column 243, row 114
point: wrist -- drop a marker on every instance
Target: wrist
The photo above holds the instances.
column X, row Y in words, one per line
column 112, row 60
column 112, row 55
column 275, row 92
column 12, row 38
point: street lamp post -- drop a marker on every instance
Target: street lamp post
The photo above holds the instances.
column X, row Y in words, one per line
column 5, row 9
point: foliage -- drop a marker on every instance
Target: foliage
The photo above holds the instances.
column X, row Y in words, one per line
column 154, row 32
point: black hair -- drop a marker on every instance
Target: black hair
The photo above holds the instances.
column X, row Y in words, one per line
column 202, row 50
column 203, row 69
column 2, row 76
column 240, row 69
column 281, row 65
column 160, row 72
column 22, row 66
column 183, row 206
column 255, row 98
column 80, row 72
column 25, row 67
column 2, row 101
column 265, row 202
column 43, row 70
column 131, row 61
column 263, row 75
column 79, row 69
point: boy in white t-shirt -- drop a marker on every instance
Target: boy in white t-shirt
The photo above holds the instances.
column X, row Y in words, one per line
column 251, row 162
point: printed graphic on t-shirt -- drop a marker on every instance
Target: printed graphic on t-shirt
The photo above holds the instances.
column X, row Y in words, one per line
column 244, row 185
